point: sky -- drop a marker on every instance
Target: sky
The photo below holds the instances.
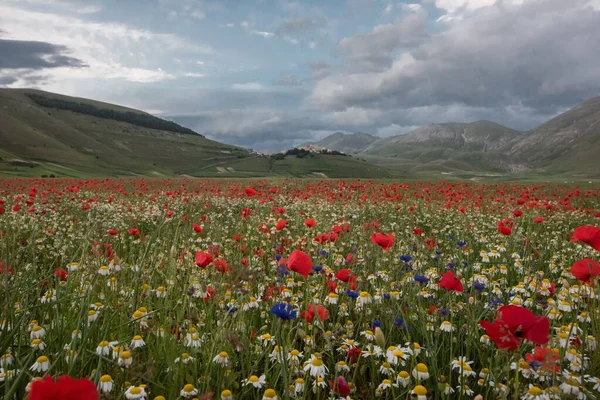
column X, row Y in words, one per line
column 271, row 74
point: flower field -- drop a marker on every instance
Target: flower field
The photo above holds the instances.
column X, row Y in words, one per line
column 239, row 289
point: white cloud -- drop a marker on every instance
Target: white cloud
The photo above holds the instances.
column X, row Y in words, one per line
column 198, row 14
column 110, row 50
column 455, row 5
column 248, row 86
column 539, row 53
column 395, row 129
column 193, row 75
column 388, row 9
column 266, row 35
column 91, row 9
column 291, row 40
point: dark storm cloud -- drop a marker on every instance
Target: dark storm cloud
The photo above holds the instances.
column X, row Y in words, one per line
column 20, row 54
column 536, row 58
column 376, row 50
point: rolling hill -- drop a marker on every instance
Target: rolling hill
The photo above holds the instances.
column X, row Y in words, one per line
column 434, row 148
column 44, row 133
column 568, row 145
column 347, row 143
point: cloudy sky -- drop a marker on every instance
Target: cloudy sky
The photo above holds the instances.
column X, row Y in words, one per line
column 268, row 74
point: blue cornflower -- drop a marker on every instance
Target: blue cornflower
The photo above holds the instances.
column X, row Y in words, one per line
column 399, row 322
column 405, row 257
column 421, row 279
column 352, row 293
column 376, row 323
column 535, row 364
column 317, row 268
column 282, row 270
column 478, row 286
column 231, row 309
column 284, row 311
column 495, row 301
column 450, row 265
column 278, row 257
column 323, row 252
column 387, row 296
column 462, row 243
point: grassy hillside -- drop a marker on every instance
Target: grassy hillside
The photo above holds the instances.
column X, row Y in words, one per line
column 347, row 143
column 569, row 143
column 36, row 140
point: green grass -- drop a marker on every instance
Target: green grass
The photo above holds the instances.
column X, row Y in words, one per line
column 65, row 143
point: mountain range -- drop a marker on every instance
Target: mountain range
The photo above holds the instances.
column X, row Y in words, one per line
column 568, row 145
column 47, row 134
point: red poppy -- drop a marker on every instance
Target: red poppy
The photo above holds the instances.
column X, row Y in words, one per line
column 585, row 269
column 514, row 323
column 246, row 212
column 221, row 266
column 170, row 213
column 450, row 282
column 16, row 208
column 505, row 227
column 321, row 312
column 203, row 259
column 5, row 269
column 299, row 262
column 417, row 231
column 331, row 286
column 548, row 358
column 310, row 222
column 250, row 192
column 345, row 275
column 112, row 232
column 587, row 234
column 517, row 213
column 354, row 354
column 61, row 274
column 430, row 243
column 385, row 241
column 340, row 386
column 197, row 228
column 134, row 231
column 538, row 220
column 282, row 223
column 65, row 388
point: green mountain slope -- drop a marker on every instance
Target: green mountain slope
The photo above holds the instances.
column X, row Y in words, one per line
column 44, row 134
column 347, row 143
column 451, row 147
column 569, row 143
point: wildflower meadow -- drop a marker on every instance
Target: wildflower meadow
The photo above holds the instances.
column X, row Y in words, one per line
column 298, row 289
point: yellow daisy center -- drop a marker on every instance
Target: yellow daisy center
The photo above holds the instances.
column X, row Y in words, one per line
column 317, row 362
column 420, row 390
column 188, row 388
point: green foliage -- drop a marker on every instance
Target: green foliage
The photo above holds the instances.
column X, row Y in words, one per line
column 138, row 119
